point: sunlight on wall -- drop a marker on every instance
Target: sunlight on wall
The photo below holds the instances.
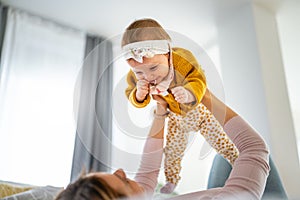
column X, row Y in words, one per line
column 289, row 33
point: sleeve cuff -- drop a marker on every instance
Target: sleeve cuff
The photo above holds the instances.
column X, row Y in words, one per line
column 136, row 103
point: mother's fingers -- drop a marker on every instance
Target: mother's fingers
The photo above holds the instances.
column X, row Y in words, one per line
column 159, row 99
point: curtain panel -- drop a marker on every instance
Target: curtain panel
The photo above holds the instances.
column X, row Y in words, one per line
column 92, row 151
column 3, row 18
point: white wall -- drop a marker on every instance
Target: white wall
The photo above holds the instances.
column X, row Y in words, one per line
column 283, row 136
column 241, row 69
column 255, row 84
column 288, row 22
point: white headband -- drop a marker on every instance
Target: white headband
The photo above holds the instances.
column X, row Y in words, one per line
column 147, row 48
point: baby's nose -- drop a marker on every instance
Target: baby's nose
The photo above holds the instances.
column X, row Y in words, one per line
column 149, row 77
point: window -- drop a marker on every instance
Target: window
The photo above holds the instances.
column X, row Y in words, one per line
column 39, row 66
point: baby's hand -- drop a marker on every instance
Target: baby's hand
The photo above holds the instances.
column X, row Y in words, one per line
column 182, row 95
column 142, row 90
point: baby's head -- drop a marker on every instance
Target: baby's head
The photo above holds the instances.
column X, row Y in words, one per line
column 145, row 38
column 144, row 29
column 146, row 47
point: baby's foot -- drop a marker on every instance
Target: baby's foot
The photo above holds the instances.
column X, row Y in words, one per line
column 168, row 188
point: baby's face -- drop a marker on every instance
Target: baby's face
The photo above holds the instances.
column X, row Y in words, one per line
column 153, row 70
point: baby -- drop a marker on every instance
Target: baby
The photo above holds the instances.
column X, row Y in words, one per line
column 173, row 73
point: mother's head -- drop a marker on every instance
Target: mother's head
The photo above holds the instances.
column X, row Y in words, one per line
column 104, row 186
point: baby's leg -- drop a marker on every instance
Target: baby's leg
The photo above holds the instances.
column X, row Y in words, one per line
column 174, row 151
column 248, row 177
column 214, row 134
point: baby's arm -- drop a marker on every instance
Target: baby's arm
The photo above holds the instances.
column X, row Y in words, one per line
column 131, row 92
column 183, row 95
column 192, row 76
column 142, row 90
column 195, row 83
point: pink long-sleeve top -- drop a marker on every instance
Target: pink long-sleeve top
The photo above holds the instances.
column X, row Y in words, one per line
column 247, row 179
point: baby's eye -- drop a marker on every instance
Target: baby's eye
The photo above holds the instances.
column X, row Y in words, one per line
column 138, row 73
column 153, row 68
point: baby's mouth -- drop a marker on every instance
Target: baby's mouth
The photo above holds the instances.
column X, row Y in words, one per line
column 153, row 82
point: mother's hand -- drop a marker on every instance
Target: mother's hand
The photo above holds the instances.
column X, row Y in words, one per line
column 160, row 113
column 160, row 101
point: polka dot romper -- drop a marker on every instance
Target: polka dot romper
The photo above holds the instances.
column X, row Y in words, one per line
column 198, row 119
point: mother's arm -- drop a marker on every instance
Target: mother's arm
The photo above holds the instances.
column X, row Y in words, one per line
column 153, row 150
column 221, row 111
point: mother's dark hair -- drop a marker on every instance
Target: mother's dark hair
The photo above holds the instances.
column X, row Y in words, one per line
column 89, row 188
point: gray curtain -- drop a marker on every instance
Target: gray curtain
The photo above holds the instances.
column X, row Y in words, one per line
column 3, row 18
column 92, row 151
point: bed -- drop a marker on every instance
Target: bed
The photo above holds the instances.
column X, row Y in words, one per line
column 19, row 191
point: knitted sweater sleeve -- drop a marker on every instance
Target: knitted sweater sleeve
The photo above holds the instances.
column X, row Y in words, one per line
column 192, row 74
column 131, row 91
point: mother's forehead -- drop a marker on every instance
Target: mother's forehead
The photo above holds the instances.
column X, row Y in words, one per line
column 98, row 174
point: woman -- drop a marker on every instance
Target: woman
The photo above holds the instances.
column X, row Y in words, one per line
column 247, row 179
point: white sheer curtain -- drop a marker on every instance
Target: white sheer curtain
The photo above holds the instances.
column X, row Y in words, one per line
column 39, row 67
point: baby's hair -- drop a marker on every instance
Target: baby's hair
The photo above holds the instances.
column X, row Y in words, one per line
column 144, row 29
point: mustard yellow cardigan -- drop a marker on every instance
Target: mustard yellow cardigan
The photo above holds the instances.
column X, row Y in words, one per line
column 188, row 73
